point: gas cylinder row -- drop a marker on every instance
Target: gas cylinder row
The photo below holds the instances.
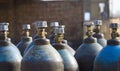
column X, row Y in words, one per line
column 39, row 55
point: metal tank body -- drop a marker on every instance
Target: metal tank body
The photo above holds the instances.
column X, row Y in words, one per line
column 107, row 59
column 100, row 39
column 87, row 51
column 28, row 47
column 86, row 54
column 70, row 49
column 11, row 44
column 22, row 45
column 10, row 58
column 70, row 63
column 42, row 56
column 35, row 37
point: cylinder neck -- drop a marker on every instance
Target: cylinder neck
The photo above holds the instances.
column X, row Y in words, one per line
column 3, row 35
column 26, row 33
column 42, row 33
column 114, row 33
column 97, row 29
column 89, row 31
column 59, row 38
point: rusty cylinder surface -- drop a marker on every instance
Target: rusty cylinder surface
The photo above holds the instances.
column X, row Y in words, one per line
column 86, row 54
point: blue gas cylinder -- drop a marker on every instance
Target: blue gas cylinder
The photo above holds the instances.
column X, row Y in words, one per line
column 107, row 59
column 10, row 58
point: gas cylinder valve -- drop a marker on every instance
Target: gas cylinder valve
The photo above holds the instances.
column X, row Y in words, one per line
column 97, row 24
column 89, row 24
column 26, row 28
column 114, row 27
column 60, row 34
column 41, row 25
column 54, row 25
column 4, row 30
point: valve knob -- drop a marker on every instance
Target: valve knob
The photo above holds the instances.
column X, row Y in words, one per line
column 114, row 25
column 60, row 29
column 40, row 24
column 26, row 27
column 88, row 23
column 98, row 22
column 4, row 26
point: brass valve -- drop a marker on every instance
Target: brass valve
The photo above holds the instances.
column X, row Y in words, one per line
column 26, row 28
column 4, row 30
column 60, row 34
column 59, row 38
column 97, row 24
column 89, row 28
column 41, row 33
column 53, row 26
column 41, row 25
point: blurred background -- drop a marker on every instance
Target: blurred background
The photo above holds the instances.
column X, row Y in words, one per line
column 71, row 13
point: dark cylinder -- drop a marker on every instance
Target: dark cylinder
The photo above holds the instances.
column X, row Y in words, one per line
column 107, row 59
column 100, row 39
column 70, row 49
column 42, row 56
column 70, row 63
column 10, row 58
column 22, row 45
column 86, row 54
column 87, row 51
column 28, row 47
